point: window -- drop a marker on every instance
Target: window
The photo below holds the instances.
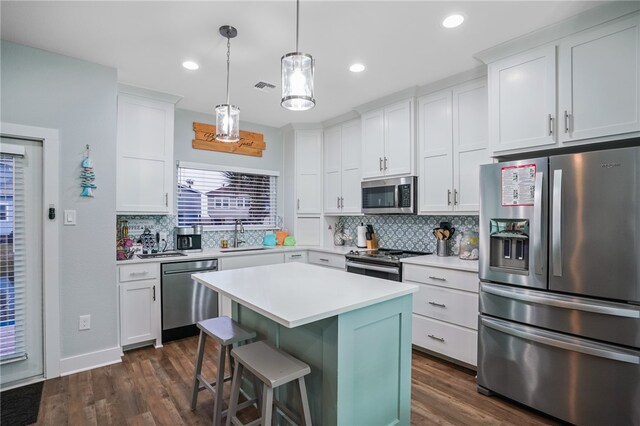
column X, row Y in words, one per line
column 217, row 196
column 12, row 259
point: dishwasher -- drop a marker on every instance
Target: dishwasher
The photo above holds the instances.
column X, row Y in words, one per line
column 185, row 301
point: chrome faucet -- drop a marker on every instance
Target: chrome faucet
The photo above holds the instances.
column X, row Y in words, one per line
column 236, row 243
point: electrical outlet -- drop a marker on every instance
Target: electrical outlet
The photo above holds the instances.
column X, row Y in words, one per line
column 85, row 322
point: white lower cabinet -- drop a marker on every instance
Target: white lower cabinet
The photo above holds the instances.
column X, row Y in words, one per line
column 330, row 260
column 445, row 311
column 139, row 288
column 295, row 256
column 237, row 262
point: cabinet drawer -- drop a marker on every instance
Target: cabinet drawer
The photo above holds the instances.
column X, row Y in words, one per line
column 246, row 261
column 295, row 256
column 453, row 306
column 452, row 278
column 447, row 339
column 327, row 259
column 139, row 271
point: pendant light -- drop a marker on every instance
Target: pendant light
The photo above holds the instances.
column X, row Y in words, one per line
column 297, row 76
column 227, row 115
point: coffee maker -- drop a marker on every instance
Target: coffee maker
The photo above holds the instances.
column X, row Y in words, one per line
column 188, row 239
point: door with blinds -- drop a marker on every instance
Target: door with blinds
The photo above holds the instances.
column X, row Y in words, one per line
column 21, row 310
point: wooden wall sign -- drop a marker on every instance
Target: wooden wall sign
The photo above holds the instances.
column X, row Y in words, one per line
column 249, row 144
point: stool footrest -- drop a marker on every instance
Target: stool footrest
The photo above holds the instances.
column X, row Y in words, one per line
column 210, row 385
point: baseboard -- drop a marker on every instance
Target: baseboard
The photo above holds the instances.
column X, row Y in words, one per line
column 84, row 362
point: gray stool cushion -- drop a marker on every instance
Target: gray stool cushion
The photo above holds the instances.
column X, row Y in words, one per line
column 225, row 330
column 270, row 365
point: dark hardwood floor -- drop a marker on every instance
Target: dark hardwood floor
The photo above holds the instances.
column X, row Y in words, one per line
column 152, row 387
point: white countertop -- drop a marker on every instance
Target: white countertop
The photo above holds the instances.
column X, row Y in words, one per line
column 449, row 262
column 294, row 294
column 217, row 253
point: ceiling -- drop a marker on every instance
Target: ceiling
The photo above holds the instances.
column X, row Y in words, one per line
column 402, row 44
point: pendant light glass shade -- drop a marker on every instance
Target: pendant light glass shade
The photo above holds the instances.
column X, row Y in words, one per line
column 297, row 81
column 297, row 76
column 227, row 123
column 227, row 115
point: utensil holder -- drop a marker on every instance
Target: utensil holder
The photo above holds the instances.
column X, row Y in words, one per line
column 442, row 248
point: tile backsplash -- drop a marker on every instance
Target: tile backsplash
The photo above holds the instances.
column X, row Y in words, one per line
column 166, row 224
column 405, row 232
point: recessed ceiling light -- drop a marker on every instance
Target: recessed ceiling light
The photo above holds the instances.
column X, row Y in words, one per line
column 356, row 68
column 190, row 65
column 452, row 21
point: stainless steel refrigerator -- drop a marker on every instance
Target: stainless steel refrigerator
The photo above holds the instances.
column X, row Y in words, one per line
column 559, row 325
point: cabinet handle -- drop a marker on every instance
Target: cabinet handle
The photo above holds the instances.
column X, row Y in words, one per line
column 455, row 197
column 166, row 199
column 566, row 121
column 133, row 274
column 550, row 125
column 385, row 163
column 298, row 203
column 439, row 339
column 437, row 278
column 440, row 305
column 448, row 197
column 380, row 163
column 342, row 202
column 338, row 201
column 324, row 260
column 295, row 256
column 154, row 293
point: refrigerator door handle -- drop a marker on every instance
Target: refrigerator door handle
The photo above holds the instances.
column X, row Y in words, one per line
column 559, row 301
column 556, row 238
column 537, row 224
column 561, row 342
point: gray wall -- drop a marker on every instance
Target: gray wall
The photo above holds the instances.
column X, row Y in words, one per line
column 272, row 156
column 78, row 98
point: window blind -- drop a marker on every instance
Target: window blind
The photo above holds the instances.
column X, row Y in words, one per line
column 213, row 196
column 12, row 259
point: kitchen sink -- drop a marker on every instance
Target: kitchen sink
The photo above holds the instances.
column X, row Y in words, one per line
column 227, row 250
column 163, row 254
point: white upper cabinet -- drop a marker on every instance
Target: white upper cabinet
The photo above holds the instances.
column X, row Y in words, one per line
column 309, row 171
column 452, row 144
column 596, row 98
column 351, row 171
column 388, row 141
column 341, row 164
column 522, row 97
column 373, row 143
column 332, row 150
column 470, row 143
column 144, row 166
column 435, row 152
column 599, row 88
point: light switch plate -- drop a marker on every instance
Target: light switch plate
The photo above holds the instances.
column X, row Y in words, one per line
column 69, row 217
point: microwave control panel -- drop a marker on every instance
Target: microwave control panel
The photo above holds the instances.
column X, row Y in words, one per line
column 404, row 195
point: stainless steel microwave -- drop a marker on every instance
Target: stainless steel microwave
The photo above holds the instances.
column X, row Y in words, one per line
column 390, row 196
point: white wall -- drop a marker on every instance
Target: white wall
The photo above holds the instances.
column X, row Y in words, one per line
column 78, row 98
column 272, row 156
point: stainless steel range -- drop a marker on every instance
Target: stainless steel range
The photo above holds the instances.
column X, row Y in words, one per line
column 380, row 263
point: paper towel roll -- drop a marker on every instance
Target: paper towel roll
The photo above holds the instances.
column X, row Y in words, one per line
column 362, row 236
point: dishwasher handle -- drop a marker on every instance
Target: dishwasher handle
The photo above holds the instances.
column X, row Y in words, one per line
column 190, row 271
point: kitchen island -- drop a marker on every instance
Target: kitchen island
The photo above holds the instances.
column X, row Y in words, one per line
column 353, row 331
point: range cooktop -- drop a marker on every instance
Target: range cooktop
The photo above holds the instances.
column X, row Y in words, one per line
column 383, row 255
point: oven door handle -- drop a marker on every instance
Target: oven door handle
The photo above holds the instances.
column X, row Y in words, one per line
column 390, row 270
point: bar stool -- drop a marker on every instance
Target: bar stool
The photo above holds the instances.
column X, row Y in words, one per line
column 226, row 332
column 274, row 368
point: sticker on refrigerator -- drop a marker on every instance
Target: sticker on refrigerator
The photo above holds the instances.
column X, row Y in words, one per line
column 518, row 185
